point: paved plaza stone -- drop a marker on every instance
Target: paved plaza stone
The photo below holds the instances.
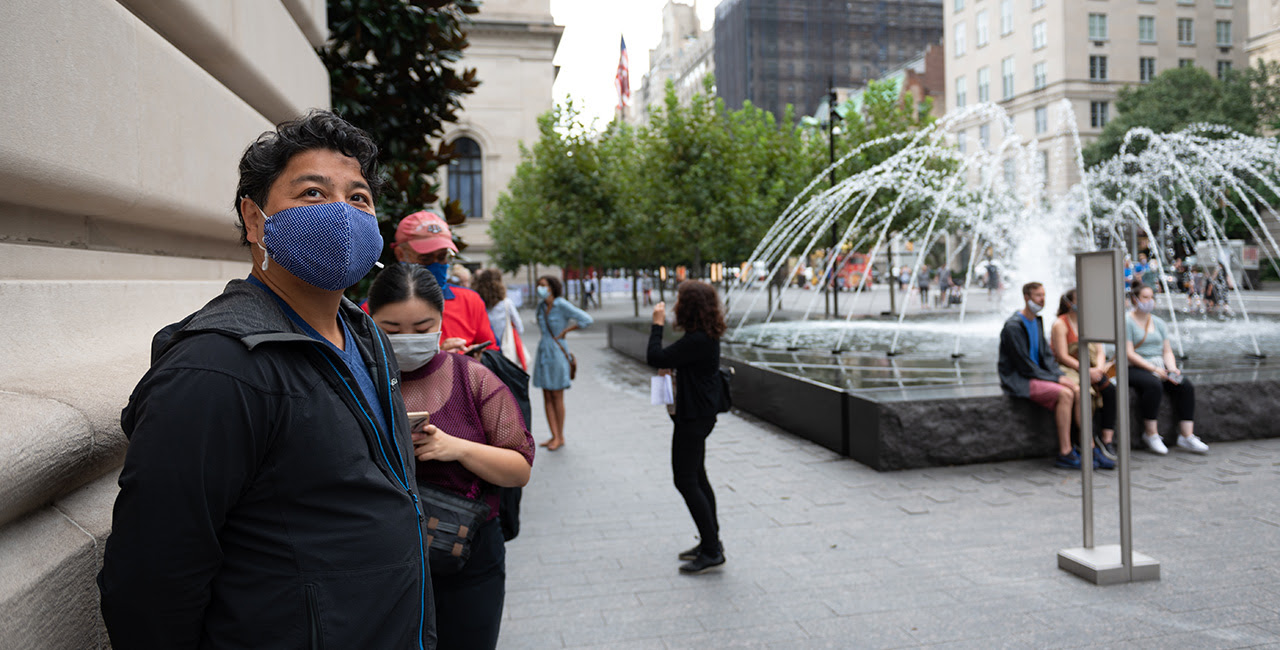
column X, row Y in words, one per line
column 826, row 553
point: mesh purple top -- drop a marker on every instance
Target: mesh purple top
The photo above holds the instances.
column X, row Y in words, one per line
column 466, row 400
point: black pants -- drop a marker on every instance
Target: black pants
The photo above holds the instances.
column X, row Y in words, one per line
column 689, row 471
column 469, row 603
column 1150, row 389
column 1107, row 414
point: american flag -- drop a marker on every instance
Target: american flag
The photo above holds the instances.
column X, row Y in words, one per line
column 622, row 81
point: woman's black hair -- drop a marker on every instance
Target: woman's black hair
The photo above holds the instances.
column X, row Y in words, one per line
column 553, row 285
column 265, row 159
column 400, row 282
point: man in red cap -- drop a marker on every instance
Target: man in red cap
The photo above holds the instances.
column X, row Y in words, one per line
column 424, row 238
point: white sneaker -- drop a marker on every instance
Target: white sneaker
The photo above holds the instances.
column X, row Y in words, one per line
column 1192, row 443
column 1156, row 445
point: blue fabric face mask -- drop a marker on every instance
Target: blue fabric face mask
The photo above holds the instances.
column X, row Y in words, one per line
column 329, row 246
column 441, row 272
column 542, row 292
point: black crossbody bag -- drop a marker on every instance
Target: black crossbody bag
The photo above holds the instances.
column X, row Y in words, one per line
column 452, row 523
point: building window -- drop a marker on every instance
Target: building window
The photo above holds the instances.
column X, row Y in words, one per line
column 1098, row 114
column 960, row 39
column 1044, row 166
column 1146, row 68
column 1039, row 76
column 1006, row 17
column 1097, row 68
column 1042, row 119
column 980, row 24
column 1224, row 68
column 1224, row 33
column 1187, row 2
column 962, row 92
column 984, row 85
column 1097, row 27
column 1222, row 3
column 1036, row 4
column 1010, row 171
column 984, row 136
column 1006, row 78
column 961, row 143
column 465, row 180
column 1186, row 31
column 959, row 5
column 1186, row 63
column 1039, row 35
column 1147, row 29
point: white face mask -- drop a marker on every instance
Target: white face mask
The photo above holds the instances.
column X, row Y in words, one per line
column 1033, row 307
column 413, row 351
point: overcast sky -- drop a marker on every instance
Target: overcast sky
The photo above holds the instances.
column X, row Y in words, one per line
column 588, row 54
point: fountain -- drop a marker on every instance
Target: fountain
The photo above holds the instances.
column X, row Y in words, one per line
column 920, row 388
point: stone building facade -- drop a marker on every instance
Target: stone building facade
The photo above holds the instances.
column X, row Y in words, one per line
column 124, row 122
column 685, row 56
column 1029, row 55
column 512, row 43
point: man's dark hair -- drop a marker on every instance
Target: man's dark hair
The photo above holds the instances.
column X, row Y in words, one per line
column 265, row 159
column 553, row 285
column 1029, row 287
column 400, row 282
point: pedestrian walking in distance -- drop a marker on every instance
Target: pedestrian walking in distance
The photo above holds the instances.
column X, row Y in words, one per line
column 694, row 362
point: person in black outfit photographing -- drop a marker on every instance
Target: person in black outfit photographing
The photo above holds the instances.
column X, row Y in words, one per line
column 695, row 360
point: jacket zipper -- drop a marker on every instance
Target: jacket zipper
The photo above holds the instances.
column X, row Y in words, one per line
column 313, row 616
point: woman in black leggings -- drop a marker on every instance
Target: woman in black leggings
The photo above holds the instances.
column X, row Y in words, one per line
column 695, row 358
column 1153, row 371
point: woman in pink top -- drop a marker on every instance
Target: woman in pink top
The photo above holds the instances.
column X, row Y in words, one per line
column 477, row 439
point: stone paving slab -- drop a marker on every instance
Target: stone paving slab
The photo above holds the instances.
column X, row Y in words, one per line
column 826, row 553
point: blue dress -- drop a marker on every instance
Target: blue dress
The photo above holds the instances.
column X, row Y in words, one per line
column 550, row 366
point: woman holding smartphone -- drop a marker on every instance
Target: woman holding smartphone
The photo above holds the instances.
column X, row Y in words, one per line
column 1153, row 371
column 476, row 438
column 695, row 360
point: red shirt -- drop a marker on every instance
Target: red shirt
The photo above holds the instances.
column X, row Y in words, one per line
column 466, row 318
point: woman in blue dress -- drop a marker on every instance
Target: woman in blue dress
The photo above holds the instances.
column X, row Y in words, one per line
column 556, row 318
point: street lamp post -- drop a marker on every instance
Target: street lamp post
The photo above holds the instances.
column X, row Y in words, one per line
column 832, row 286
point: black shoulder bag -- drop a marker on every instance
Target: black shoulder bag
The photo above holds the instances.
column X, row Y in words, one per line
column 517, row 380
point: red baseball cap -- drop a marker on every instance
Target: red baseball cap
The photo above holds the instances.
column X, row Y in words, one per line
column 424, row 232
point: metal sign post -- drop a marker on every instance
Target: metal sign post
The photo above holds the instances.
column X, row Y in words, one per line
column 1100, row 311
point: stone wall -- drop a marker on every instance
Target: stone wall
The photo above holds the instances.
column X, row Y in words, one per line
column 123, row 124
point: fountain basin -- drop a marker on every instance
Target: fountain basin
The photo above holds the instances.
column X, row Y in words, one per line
column 942, row 412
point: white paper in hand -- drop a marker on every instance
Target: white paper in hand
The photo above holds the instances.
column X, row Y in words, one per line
column 660, row 390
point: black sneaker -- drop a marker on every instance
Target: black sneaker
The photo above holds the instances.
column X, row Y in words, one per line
column 692, row 553
column 702, row 564
column 1108, row 449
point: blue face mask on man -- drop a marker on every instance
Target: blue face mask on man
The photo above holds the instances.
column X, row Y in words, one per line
column 329, row 246
column 440, row 271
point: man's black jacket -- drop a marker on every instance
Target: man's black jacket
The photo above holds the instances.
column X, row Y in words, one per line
column 259, row 506
column 1015, row 365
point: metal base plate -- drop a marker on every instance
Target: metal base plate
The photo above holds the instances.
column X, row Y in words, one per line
column 1101, row 565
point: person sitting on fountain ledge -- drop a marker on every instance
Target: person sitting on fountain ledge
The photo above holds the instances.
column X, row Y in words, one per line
column 1027, row 370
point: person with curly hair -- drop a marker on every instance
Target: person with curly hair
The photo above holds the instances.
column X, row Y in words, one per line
column 694, row 362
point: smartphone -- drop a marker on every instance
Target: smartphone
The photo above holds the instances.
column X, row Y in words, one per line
column 418, row 421
column 1175, row 377
column 477, row 347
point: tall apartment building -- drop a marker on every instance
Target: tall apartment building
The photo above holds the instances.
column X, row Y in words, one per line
column 779, row 52
column 684, row 56
column 1028, row 55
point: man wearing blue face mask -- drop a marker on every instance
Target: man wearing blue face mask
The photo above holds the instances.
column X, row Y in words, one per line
column 424, row 238
column 268, row 498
